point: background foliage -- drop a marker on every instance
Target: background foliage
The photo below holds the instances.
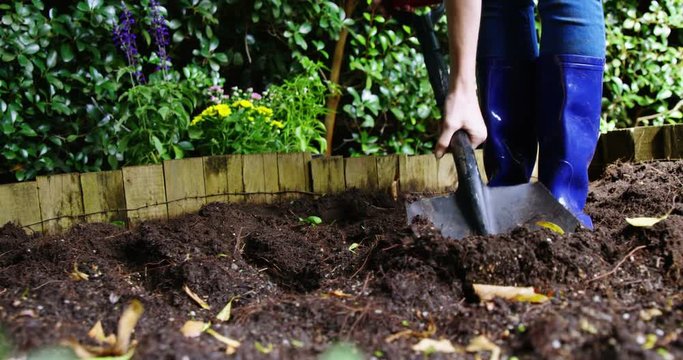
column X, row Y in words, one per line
column 65, row 107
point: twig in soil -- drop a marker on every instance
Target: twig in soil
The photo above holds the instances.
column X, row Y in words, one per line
column 366, row 258
column 618, row 264
column 238, row 241
column 46, row 283
column 116, row 235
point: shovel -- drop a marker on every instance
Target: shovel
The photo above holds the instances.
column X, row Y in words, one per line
column 476, row 209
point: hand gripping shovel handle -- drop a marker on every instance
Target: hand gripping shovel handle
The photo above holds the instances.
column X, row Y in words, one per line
column 471, row 192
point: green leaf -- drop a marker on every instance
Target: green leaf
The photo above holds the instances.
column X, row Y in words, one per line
column 164, row 111
column 305, row 28
column 94, row 4
column 157, row 145
column 51, row 59
column 66, row 52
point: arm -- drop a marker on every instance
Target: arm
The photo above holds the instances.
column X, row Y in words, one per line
column 461, row 110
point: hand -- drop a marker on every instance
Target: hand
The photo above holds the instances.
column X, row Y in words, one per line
column 461, row 111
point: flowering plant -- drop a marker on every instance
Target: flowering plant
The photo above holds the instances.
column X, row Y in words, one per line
column 285, row 118
column 155, row 112
column 243, row 125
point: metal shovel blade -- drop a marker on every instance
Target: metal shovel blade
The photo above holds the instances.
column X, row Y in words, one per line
column 507, row 207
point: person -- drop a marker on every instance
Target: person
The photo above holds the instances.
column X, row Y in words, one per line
column 517, row 96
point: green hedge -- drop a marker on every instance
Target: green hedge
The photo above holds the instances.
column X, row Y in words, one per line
column 68, row 105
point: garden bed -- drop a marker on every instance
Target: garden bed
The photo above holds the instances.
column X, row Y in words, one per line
column 298, row 288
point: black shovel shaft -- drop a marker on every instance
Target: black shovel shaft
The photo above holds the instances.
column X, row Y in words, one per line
column 471, row 192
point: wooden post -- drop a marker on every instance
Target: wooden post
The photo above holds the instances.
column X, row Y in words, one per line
column 216, row 178
column 103, row 197
column 254, row 182
column 271, row 180
column 293, row 174
column 617, row 145
column 185, row 189
column 673, row 145
column 145, row 193
column 447, row 179
column 387, row 172
column 648, row 143
column 361, row 173
column 235, row 179
column 61, row 201
column 328, row 175
column 418, row 173
column 20, row 205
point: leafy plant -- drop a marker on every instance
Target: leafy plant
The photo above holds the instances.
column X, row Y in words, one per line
column 393, row 104
column 284, row 119
column 50, row 119
column 299, row 103
column 243, row 127
column 644, row 74
column 155, row 115
column 312, row 220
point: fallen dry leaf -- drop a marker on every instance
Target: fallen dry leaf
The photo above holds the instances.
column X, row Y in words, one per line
column 77, row 275
column 193, row 328
column 649, row 314
column 224, row 315
column 127, row 323
column 645, row 221
column 118, row 347
column 97, row 333
column 431, row 330
column 196, row 298
column 482, row 343
column 431, row 346
column 231, row 343
column 551, row 226
column 337, row 293
column 514, row 293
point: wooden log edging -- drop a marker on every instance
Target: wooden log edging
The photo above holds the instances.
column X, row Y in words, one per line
column 138, row 193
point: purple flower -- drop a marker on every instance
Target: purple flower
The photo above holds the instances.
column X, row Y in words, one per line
column 160, row 33
column 124, row 39
column 256, row 96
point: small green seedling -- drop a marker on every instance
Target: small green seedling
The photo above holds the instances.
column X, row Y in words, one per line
column 353, row 247
column 312, row 220
column 119, row 223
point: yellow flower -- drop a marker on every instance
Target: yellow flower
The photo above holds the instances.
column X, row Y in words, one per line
column 197, row 119
column 277, row 124
column 243, row 103
column 264, row 110
column 210, row 111
column 223, row 110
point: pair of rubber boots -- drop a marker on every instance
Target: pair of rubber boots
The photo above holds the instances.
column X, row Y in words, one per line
column 551, row 103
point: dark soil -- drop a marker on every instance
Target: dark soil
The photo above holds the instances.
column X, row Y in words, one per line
column 300, row 288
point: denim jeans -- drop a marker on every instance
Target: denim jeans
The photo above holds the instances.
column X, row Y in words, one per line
column 508, row 31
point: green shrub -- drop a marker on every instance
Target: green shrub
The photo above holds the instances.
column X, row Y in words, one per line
column 54, row 68
column 644, row 73
column 392, row 106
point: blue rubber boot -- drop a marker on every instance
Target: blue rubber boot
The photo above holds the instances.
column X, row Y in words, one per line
column 568, row 120
column 506, row 95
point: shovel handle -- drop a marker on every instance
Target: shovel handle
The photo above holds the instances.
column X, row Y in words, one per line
column 471, row 189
